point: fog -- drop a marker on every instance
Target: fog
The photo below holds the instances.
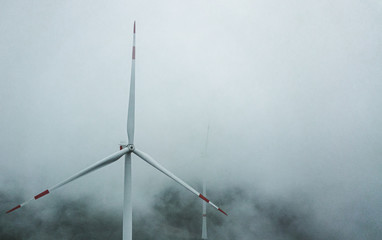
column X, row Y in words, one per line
column 174, row 216
column 290, row 90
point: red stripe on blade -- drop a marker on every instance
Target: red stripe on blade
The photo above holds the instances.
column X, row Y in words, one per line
column 134, row 52
column 41, row 194
column 13, row 209
column 134, row 26
column 204, row 198
column 222, row 211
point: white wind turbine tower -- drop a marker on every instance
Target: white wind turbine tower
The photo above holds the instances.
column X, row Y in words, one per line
column 204, row 223
column 124, row 150
column 204, row 216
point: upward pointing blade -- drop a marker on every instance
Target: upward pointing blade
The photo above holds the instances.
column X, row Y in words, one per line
column 155, row 164
column 95, row 166
column 131, row 110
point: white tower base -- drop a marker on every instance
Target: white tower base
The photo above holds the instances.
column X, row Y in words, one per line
column 127, row 230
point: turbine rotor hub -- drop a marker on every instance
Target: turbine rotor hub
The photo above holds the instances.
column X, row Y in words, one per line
column 131, row 147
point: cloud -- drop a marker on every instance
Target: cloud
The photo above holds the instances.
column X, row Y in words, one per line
column 291, row 90
column 177, row 215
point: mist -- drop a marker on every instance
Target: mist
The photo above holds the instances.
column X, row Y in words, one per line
column 175, row 215
column 290, row 90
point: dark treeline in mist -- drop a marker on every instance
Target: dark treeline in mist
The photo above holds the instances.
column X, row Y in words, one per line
column 67, row 219
column 175, row 215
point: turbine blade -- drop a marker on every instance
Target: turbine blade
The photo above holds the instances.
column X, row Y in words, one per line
column 131, row 110
column 112, row 158
column 156, row 165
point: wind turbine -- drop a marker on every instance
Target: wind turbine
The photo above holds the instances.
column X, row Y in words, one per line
column 124, row 150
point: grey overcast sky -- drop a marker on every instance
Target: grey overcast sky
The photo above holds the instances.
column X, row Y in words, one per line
column 291, row 90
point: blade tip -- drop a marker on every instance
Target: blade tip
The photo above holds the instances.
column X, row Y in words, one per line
column 13, row 209
column 223, row 212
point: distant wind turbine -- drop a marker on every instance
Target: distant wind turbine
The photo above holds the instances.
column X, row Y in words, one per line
column 124, row 150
